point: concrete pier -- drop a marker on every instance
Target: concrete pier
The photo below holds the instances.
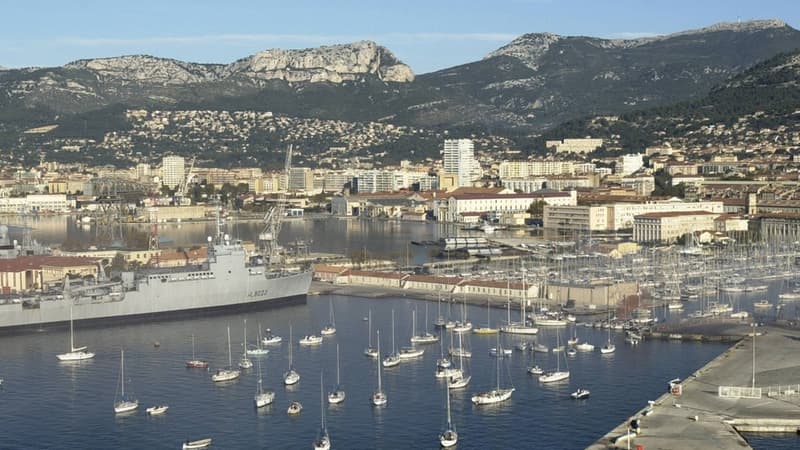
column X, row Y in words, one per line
column 700, row 417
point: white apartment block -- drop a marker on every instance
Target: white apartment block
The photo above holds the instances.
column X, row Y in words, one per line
column 461, row 205
column 625, row 212
column 172, row 171
column 578, row 218
column 535, row 168
column 58, row 203
column 669, row 226
column 301, row 179
column 459, row 159
column 586, row 145
column 628, row 164
column 334, row 180
column 617, row 216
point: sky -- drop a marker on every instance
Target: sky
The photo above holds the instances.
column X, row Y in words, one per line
column 427, row 35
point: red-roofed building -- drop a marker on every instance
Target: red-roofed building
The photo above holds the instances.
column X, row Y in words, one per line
column 330, row 274
column 28, row 273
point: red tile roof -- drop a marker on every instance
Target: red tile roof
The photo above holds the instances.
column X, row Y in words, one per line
column 36, row 262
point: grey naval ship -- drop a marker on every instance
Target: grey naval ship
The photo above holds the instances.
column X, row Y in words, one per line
column 228, row 281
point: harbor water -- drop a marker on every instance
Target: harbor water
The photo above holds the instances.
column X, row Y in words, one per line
column 47, row 404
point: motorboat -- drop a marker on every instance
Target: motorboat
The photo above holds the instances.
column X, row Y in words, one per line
column 572, row 352
column 200, row 443
column 540, row 348
column 157, row 410
column 311, row 340
column 584, row 347
column 762, row 304
column 270, row 339
column 294, row 408
column 501, row 352
column 535, row 370
column 580, row 394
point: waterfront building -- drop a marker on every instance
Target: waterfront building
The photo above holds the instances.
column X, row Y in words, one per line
column 331, row 274
column 173, row 171
column 669, row 226
column 432, row 283
column 458, row 205
column 27, row 273
column 498, row 288
column 617, row 216
column 459, row 159
column 43, row 203
column 379, row 279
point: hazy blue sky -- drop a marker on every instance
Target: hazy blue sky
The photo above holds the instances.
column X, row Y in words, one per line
column 426, row 34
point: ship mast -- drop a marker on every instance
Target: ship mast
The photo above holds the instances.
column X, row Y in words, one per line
column 274, row 217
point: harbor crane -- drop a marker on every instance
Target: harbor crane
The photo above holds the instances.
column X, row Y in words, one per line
column 273, row 219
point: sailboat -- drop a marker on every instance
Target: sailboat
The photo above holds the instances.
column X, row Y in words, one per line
column 496, row 395
column 426, row 337
column 558, row 375
column 291, row 376
column 259, row 350
column 609, row 347
column 75, row 353
column 323, row 441
column 195, row 363
column 448, row 437
column 488, row 328
column 522, row 327
column 465, row 325
column 262, row 397
column 379, row 397
column 124, row 404
column 412, row 352
column 331, row 327
column 370, row 351
column 228, row 373
column 440, row 320
column 535, row 369
column 244, row 361
column 458, row 379
column 393, row 359
column 337, row 395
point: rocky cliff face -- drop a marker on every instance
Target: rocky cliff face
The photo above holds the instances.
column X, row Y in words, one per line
column 332, row 64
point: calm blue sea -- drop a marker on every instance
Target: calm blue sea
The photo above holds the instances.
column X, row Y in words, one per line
column 47, row 404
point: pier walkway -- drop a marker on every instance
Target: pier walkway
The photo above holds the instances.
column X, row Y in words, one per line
column 700, row 418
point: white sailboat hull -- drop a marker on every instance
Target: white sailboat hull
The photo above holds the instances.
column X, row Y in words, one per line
column 123, row 407
column 493, row 396
column 552, row 377
column 75, row 356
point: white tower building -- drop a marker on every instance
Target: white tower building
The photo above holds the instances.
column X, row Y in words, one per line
column 173, row 171
column 459, row 159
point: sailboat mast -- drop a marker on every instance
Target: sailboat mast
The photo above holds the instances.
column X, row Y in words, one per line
column 369, row 319
column 290, row 346
column 122, row 370
column 449, row 421
column 230, row 361
column 337, row 366
column 322, row 401
column 379, row 360
column 71, row 330
column 393, row 347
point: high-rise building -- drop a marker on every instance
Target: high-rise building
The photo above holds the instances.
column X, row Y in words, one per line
column 172, row 171
column 459, row 159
